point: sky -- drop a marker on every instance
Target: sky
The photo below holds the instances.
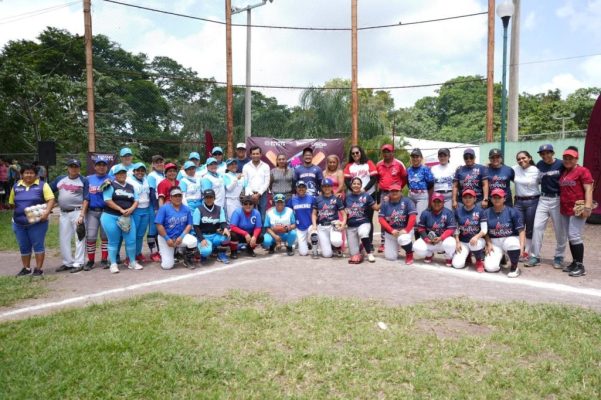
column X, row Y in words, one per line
column 396, row 56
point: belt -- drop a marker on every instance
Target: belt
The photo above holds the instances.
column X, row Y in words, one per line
column 443, row 191
column 549, row 194
column 95, row 208
column 66, row 210
column 527, row 197
column 325, row 223
column 418, row 190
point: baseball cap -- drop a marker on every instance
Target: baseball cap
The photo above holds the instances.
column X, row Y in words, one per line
column 416, row 152
column 546, row 147
column 241, row 146
column 194, row 156
column 231, row 161
column 100, row 161
column 138, row 165
column 394, row 186
column 119, row 168
column 208, row 193
column 211, row 160
column 438, row 196
column 301, row 183
column 497, row 192
column 468, row 192
column 157, row 157
column 170, row 166
column 73, row 161
column 494, row 152
column 469, row 151
column 246, row 198
column 189, row 164
column 445, row 151
column 126, row 151
column 327, row 182
column 216, row 150
column 175, row 190
column 387, row 147
column 279, row 197
column 570, row 152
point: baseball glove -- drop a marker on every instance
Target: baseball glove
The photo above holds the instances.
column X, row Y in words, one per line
column 124, row 223
column 579, row 207
column 279, row 228
column 81, row 231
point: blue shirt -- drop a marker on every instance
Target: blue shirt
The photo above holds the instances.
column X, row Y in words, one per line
column 311, row 175
column 241, row 164
column 549, row 176
column 501, row 178
column 356, row 208
column 468, row 222
column 274, row 217
column 327, row 208
column 245, row 222
column 437, row 223
column 397, row 214
column 95, row 197
column 172, row 220
column 303, row 208
column 504, row 224
column 471, row 178
column 419, row 178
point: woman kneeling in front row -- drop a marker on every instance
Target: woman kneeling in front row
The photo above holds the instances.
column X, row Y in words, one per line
column 472, row 226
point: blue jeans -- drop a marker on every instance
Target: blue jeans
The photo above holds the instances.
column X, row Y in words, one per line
column 289, row 238
column 213, row 240
column 31, row 236
column 527, row 208
column 115, row 235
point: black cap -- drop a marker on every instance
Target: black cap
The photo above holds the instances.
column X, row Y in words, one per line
column 208, row 193
column 444, row 150
column 73, row 162
column 416, row 152
column 157, row 157
column 494, row 152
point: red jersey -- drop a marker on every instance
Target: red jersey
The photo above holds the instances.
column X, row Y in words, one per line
column 389, row 174
column 571, row 188
column 164, row 188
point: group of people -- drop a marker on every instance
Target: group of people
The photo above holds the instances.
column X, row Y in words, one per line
column 221, row 207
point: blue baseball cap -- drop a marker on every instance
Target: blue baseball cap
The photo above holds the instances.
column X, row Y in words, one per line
column 126, row 151
column 194, row 155
column 231, row 161
column 138, row 165
column 279, row 197
column 211, row 160
column 73, row 161
column 119, row 168
column 327, row 182
column 217, row 149
column 546, row 147
column 100, row 160
column 301, row 183
column 189, row 164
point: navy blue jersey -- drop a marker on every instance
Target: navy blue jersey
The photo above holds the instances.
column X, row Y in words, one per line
column 311, row 175
column 501, row 178
column 549, row 175
column 356, row 208
column 303, row 207
column 437, row 223
column 397, row 214
column 419, row 178
column 471, row 178
column 94, row 193
column 327, row 208
column 468, row 222
column 506, row 223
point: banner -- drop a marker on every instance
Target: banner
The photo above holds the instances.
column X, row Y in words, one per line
column 110, row 159
column 293, row 150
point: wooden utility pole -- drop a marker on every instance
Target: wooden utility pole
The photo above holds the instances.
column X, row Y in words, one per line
column 87, row 19
column 490, row 75
column 354, row 97
column 229, row 93
column 513, row 100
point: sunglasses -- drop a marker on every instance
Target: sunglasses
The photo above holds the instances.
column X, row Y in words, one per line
column 247, row 203
column 176, row 195
column 468, row 157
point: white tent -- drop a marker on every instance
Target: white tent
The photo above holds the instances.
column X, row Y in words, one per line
column 430, row 148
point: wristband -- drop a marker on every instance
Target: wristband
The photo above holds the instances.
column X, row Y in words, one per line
column 167, row 238
column 182, row 235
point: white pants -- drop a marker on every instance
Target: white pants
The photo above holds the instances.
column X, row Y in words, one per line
column 460, row 258
column 421, row 201
column 328, row 237
column 423, row 249
column 354, row 236
column 231, row 205
column 548, row 208
column 392, row 245
column 492, row 261
column 302, row 237
column 573, row 227
column 66, row 229
column 168, row 253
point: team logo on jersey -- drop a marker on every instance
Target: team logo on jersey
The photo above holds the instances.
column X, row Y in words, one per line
column 253, row 219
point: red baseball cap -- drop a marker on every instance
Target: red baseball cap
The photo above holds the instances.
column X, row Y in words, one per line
column 468, row 192
column 438, row 196
column 394, row 186
column 169, row 166
column 570, row 152
column 497, row 192
column 387, row 147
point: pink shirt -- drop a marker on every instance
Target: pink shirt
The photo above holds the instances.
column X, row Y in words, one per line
column 571, row 188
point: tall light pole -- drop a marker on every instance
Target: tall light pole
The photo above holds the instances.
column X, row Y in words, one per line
column 504, row 11
column 247, row 92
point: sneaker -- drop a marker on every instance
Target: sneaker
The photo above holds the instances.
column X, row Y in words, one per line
column 338, row 253
column 141, row 259
column 479, row 266
column 271, row 249
column 532, row 262
column 381, row 248
column 189, row 263
column 75, row 270
column 155, row 257
column 89, row 266
column 428, row 260
column 222, row 257
column 371, row 258
column 114, row 268
column 251, row 251
column 24, row 271
column 503, row 263
column 514, row 273
column 234, row 255
column 448, row 262
column 409, row 258
column 290, row 251
column 578, row 270
column 569, row 267
column 203, row 260
column 104, row 264
column 135, row 266
column 37, row 272
column 64, row 268
column 558, row 262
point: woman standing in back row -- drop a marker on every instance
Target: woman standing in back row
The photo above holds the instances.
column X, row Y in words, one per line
column 527, row 193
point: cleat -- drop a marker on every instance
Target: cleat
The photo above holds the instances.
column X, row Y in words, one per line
column 409, row 259
column 89, row 266
column 479, row 266
column 155, row 257
column 428, row 260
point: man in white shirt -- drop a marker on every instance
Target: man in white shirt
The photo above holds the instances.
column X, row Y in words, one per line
column 256, row 175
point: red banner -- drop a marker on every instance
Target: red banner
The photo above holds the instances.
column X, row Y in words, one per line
column 293, row 149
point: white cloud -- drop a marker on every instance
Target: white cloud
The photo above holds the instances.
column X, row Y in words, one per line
column 587, row 18
column 529, row 23
column 566, row 83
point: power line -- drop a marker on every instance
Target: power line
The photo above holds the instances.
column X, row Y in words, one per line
column 559, row 59
column 34, row 13
column 300, row 28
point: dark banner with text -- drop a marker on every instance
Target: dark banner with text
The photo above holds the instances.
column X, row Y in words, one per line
column 293, row 149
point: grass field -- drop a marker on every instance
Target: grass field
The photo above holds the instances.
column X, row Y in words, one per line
column 8, row 242
column 13, row 289
column 250, row 346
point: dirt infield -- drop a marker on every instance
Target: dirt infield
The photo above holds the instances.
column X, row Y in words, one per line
column 290, row 278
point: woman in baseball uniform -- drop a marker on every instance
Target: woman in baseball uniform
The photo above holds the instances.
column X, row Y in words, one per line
column 359, row 206
column 325, row 221
column 436, row 228
column 144, row 213
column 472, row 226
column 234, row 184
column 397, row 217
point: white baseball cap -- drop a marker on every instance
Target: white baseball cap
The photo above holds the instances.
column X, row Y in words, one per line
column 241, row 145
